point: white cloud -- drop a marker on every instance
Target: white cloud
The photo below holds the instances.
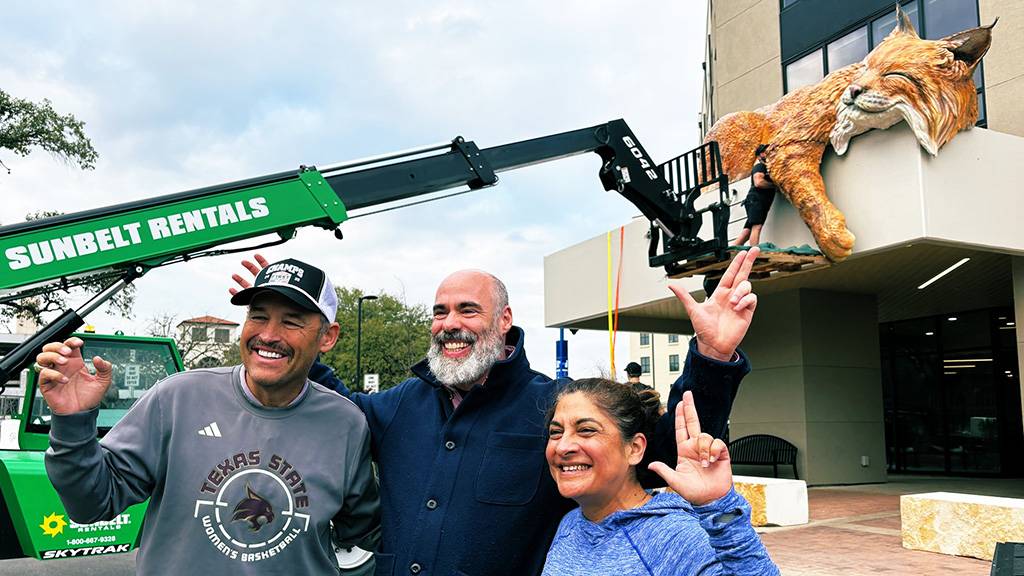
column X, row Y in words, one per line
column 178, row 95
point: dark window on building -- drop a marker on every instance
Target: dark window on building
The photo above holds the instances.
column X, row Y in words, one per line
column 805, row 71
column 945, row 17
column 645, row 339
column 788, row 3
column 645, row 365
column 933, row 19
column 881, row 26
column 673, row 362
column 199, row 334
column 851, row 48
column 222, row 336
column 673, row 338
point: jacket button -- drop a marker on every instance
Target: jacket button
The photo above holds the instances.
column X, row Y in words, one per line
column 415, row 568
column 431, row 504
column 449, row 445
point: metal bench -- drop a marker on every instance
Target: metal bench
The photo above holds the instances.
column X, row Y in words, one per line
column 763, row 449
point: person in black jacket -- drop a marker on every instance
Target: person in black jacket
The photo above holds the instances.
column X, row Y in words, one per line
column 758, row 202
column 460, row 446
column 633, row 371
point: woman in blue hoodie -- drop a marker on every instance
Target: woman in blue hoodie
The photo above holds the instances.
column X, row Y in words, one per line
column 595, row 451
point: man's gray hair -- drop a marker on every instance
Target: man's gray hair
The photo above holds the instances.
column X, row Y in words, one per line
column 500, row 295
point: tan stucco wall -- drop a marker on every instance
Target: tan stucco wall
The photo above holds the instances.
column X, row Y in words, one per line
column 747, row 73
column 1004, row 65
column 1005, row 111
column 758, row 87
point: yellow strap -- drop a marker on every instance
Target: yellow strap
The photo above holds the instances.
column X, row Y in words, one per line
column 611, row 327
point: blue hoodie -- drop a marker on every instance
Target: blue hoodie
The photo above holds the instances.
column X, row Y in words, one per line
column 664, row 537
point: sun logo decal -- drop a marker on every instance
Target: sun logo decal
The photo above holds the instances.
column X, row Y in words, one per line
column 53, row 525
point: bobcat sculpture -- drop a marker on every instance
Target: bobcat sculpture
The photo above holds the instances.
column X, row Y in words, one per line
column 928, row 83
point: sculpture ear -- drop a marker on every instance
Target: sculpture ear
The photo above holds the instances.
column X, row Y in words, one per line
column 970, row 45
column 903, row 23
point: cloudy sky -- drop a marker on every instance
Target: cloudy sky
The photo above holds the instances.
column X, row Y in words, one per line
column 178, row 95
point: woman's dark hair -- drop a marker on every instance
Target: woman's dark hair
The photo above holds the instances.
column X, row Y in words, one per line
column 760, row 149
column 631, row 413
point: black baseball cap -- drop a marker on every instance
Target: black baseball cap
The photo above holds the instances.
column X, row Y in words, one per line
column 304, row 284
column 633, row 369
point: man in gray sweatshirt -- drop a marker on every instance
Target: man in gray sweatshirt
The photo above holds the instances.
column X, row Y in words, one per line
column 245, row 467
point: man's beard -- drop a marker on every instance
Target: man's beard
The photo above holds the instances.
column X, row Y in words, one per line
column 462, row 373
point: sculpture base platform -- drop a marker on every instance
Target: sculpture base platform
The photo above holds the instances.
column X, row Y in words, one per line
column 772, row 263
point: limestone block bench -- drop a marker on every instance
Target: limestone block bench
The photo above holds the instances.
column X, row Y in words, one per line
column 960, row 524
column 774, row 501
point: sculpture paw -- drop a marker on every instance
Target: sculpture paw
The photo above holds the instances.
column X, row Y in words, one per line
column 837, row 245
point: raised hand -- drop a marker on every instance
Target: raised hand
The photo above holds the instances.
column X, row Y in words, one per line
column 65, row 381
column 721, row 321
column 260, row 264
column 703, row 472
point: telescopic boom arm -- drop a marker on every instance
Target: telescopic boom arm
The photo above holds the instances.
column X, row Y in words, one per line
column 124, row 241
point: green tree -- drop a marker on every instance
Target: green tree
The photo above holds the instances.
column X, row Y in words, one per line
column 233, row 355
column 55, row 298
column 395, row 336
column 25, row 125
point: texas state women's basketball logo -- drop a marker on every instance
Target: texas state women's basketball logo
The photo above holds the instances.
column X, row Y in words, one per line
column 251, row 512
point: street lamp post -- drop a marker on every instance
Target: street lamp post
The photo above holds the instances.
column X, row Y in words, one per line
column 359, row 339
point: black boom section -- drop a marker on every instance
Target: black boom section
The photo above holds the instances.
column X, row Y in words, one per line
column 626, row 168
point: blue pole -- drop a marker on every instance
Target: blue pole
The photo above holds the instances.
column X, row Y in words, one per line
column 561, row 355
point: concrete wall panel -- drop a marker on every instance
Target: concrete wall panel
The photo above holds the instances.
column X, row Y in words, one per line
column 735, row 54
column 777, row 314
column 770, row 396
column 725, row 11
column 1003, row 61
column 959, row 186
column 834, row 451
column 1005, row 113
column 839, row 329
column 843, row 394
column 760, row 86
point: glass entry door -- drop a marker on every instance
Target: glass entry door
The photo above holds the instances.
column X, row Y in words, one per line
column 952, row 398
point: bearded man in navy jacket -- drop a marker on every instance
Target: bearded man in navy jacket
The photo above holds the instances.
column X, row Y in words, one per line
column 459, row 447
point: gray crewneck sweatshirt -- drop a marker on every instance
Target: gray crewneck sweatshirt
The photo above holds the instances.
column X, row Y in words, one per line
column 234, row 486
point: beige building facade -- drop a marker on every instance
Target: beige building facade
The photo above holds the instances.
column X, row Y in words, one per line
column 857, row 364
column 660, row 356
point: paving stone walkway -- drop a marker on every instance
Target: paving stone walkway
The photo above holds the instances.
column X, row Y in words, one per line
column 855, row 530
